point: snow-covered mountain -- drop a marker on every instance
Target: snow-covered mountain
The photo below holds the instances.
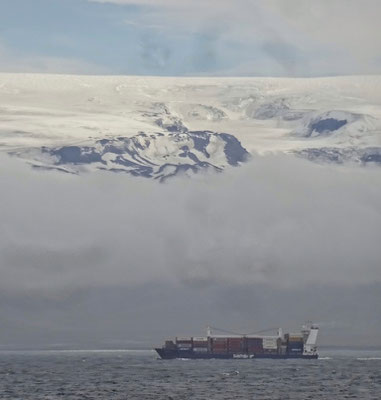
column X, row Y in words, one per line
column 156, row 155
column 161, row 127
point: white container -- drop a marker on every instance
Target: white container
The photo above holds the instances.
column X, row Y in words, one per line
column 184, row 345
column 270, row 343
column 200, row 339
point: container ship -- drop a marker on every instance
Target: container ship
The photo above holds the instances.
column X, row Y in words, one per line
column 245, row 346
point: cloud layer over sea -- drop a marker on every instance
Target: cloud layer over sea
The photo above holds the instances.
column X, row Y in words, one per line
column 257, row 241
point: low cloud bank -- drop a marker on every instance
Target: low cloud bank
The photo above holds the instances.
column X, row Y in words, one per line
column 104, row 260
column 278, row 221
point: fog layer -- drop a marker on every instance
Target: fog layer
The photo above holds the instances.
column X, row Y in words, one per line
column 109, row 260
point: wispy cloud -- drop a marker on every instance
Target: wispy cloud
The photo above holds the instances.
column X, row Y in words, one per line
column 303, row 37
column 213, row 37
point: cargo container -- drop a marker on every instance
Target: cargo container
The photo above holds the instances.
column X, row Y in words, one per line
column 270, row 351
column 293, row 349
column 200, row 345
column 254, row 345
column 220, row 350
column 254, row 340
column 200, row 349
column 184, row 344
column 245, row 346
column 295, row 344
column 235, row 340
column 235, row 344
column 255, row 351
column 270, row 342
column 187, row 345
column 220, row 340
column 184, row 339
column 295, row 338
column 200, row 342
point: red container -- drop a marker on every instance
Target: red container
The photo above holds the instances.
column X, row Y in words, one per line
column 235, row 347
column 220, row 340
column 235, row 343
column 235, row 340
column 220, row 351
column 219, row 344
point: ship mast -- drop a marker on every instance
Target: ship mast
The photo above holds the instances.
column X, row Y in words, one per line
column 208, row 331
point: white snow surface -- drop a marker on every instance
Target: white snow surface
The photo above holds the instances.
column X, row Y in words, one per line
column 267, row 115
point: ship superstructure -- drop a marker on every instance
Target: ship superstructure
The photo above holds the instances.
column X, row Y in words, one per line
column 280, row 346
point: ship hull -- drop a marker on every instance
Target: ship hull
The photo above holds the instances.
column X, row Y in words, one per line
column 170, row 354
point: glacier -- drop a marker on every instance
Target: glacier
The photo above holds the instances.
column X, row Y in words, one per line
column 163, row 127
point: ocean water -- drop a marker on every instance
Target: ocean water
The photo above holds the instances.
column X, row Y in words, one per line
column 76, row 375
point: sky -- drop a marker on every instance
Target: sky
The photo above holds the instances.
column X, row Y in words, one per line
column 191, row 37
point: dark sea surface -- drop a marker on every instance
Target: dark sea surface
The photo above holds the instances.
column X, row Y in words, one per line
column 140, row 375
